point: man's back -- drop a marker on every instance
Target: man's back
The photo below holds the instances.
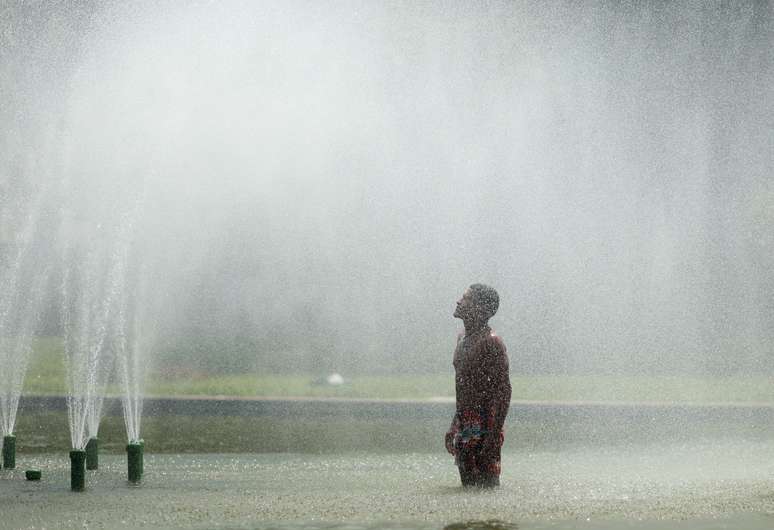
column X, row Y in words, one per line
column 481, row 368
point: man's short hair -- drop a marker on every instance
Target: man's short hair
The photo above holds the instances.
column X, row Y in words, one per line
column 486, row 299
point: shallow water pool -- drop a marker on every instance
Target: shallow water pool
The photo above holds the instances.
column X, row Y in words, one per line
column 698, row 485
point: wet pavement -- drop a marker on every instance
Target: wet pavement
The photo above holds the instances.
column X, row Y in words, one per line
column 728, row 484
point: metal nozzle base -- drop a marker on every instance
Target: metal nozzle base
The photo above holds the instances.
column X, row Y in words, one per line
column 9, row 451
column 92, row 454
column 134, row 461
column 77, row 470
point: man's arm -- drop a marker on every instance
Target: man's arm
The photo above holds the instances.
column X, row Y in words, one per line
column 454, row 428
column 498, row 378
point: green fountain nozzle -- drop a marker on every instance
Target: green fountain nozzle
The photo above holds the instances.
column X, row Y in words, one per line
column 92, row 454
column 77, row 470
column 9, row 451
column 134, row 461
column 33, row 474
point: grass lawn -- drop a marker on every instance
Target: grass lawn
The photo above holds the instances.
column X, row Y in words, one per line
column 46, row 376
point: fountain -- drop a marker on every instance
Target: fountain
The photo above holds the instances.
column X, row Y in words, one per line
column 268, row 191
column 133, row 341
column 24, row 272
column 91, row 294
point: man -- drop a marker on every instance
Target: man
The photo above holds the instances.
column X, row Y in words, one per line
column 483, row 391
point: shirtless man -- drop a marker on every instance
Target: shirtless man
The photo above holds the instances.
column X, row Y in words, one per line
column 483, row 391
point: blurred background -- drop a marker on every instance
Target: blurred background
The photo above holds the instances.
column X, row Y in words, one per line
column 314, row 184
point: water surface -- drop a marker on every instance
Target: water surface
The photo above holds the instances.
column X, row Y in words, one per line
column 719, row 485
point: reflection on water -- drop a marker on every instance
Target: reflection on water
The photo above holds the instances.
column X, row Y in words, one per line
column 492, row 524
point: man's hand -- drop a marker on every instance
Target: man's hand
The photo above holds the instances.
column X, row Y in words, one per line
column 450, row 443
column 491, row 442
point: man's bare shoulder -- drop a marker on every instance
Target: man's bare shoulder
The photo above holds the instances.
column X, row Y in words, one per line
column 495, row 343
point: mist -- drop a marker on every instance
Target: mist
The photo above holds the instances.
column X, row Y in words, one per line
column 316, row 184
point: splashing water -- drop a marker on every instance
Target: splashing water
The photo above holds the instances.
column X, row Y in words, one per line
column 133, row 335
column 132, row 344
column 606, row 168
column 91, row 285
column 24, row 272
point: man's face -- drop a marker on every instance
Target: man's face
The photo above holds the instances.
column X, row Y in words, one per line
column 465, row 306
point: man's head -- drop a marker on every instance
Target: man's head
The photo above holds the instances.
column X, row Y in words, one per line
column 478, row 302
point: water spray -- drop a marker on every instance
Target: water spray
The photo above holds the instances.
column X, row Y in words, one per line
column 9, row 451
column 92, row 454
column 77, row 470
column 134, row 461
